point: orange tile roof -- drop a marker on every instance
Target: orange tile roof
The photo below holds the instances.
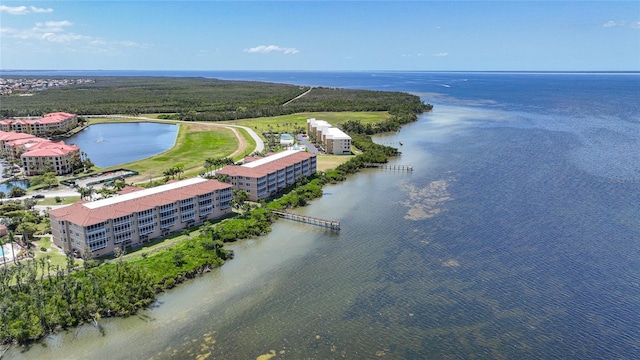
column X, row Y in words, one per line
column 86, row 213
column 50, row 118
column 50, row 149
column 10, row 136
column 26, row 141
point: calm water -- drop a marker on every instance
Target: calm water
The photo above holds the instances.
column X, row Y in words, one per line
column 516, row 237
column 113, row 144
column 7, row 185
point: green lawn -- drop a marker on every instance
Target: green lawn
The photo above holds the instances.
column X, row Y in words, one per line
column 287, row 123
column 194, row 144
column 55, row 257
column 52, row 201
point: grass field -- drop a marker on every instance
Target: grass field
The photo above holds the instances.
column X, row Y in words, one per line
column 55, row 257
column 290, row 122
column 198, row 141
column 326, row 162
column 194, row 144
column 64, row 200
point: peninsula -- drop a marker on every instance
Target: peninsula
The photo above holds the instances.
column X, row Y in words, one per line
column 37, row 298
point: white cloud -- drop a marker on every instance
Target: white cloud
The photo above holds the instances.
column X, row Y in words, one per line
column 40, row 10
column 271, row 48
column 23, row 10
column 52, row 26
column 440, row 54
column 632, row 25
column 58, row 32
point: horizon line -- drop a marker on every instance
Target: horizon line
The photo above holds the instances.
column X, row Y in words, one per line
column 388, row 70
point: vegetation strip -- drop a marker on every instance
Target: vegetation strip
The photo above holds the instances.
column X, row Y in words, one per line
column 38, row 296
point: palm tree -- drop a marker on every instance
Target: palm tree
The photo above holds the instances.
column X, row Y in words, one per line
column 12, row 241
column 208, row 164
column 179, row 170
column 2, row 242
column 86, row 192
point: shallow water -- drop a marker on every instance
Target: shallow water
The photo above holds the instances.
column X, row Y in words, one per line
column 511, row 239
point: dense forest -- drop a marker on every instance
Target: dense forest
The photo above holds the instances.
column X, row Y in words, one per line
column 201, row 99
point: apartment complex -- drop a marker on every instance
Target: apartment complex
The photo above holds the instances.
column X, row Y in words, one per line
column 9, row 138
column 266, row 176
column 135, row 217
column 38, row 154
column 334, row 140
column 43, row 156
column 52, row 123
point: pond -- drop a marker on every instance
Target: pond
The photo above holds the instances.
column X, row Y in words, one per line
column 113, row 144
column 6, row 186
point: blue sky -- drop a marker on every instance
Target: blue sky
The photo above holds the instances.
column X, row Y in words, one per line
column 321, row 35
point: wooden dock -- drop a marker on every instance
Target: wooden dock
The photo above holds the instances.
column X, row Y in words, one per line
column 330, row 224
column 389, row 166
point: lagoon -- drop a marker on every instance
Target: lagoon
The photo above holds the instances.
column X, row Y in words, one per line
column 113, row 144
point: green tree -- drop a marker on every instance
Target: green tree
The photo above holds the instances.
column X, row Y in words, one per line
column 12, row 241
column 17, row 191
column 86, row 192
column 27, row 229
column 3, row 241
column 239, row 198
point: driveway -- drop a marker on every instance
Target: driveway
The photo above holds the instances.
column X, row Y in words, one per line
column 304, row 140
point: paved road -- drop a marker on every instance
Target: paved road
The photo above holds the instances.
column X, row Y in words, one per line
column 64, row 191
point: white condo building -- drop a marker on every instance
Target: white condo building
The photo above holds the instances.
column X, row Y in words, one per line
column 335, row 141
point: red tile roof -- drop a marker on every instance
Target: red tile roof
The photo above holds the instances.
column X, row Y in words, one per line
column 50, row 149
column 89, row 213
column 10, row 136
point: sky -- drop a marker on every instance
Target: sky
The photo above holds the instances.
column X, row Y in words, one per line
column 320, row 35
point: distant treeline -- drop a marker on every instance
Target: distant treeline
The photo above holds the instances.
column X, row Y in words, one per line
column 202, row 99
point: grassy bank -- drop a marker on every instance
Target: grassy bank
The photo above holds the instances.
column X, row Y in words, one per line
column 194, row 144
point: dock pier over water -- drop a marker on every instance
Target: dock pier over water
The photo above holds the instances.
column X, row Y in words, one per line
column 330, row 224
column 389, row 166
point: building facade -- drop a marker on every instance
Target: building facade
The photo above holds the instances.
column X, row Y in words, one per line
column 52, row 123
column 265, row 177
column 42, row 157
column 7, row 139
column 334, row 140
column 38, row 155
column 136, row 217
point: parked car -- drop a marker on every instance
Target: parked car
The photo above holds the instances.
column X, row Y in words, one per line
column 38, row 196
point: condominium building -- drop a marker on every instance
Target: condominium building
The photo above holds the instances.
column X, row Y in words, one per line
column 44, row 156
column 52, row 123
column 8, row 137
column 334, row 140
column 265, row 177
column 38, row 155
column 138, row 216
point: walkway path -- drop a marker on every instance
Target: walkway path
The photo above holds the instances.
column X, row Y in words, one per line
column 241, row 140
column 297, row 97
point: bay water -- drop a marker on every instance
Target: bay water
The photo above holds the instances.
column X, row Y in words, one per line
column 517, row 236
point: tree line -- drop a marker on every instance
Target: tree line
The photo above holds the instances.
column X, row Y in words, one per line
column 202, row 99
